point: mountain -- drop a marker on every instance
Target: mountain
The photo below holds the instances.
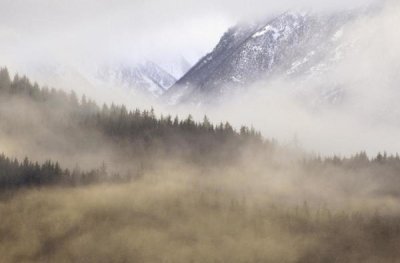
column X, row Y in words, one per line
column 145, row 77
column 292, row 44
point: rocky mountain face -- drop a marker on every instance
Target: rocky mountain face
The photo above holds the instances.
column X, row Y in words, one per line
column 290, row 45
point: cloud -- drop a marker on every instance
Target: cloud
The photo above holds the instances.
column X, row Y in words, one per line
column 367, row 118
column 36, row 31
column 132, row 28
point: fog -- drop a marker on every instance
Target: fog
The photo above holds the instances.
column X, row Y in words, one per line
column 180, row 221
column 68, row 32
column 74, row 38
column 263, row 204
column 180, row 191
column 362, row 114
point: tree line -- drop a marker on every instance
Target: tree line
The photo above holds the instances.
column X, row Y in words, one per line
column 145, row 131
column 21, row 174
column 148, row 137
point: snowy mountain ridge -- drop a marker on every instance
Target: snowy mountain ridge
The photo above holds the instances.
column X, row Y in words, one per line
column 293, row 44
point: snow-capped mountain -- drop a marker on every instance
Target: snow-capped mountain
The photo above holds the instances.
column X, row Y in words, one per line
column 292, row 44
column 145, row 77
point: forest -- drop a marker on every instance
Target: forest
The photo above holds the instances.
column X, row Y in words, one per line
column 81, row 182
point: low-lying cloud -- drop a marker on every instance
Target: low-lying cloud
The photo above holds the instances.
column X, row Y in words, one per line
column 68, row 33
column 362, row 116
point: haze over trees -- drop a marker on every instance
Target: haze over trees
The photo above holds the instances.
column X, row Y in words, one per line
column 145, row 137
column 80, row 182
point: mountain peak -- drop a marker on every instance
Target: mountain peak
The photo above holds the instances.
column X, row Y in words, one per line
column 251, row 51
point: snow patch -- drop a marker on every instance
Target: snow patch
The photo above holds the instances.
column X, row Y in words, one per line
column 337, row 35
column 265, row 30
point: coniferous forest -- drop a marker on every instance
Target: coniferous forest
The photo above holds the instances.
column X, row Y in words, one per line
column 212, row 131
column 82, row 182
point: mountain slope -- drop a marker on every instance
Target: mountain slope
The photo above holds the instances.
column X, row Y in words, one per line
column 292, row 43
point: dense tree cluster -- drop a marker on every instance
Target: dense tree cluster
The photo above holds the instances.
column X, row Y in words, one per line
column 139, row 134
column 200, row 141
column 144, row 137
column 358, row 161
column 142, row 129
column 16, row 174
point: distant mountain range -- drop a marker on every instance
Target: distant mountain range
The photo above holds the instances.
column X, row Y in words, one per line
column 145, row 77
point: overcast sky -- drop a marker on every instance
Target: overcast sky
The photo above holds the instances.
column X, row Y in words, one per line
column 38, row 31
column 102, row 29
